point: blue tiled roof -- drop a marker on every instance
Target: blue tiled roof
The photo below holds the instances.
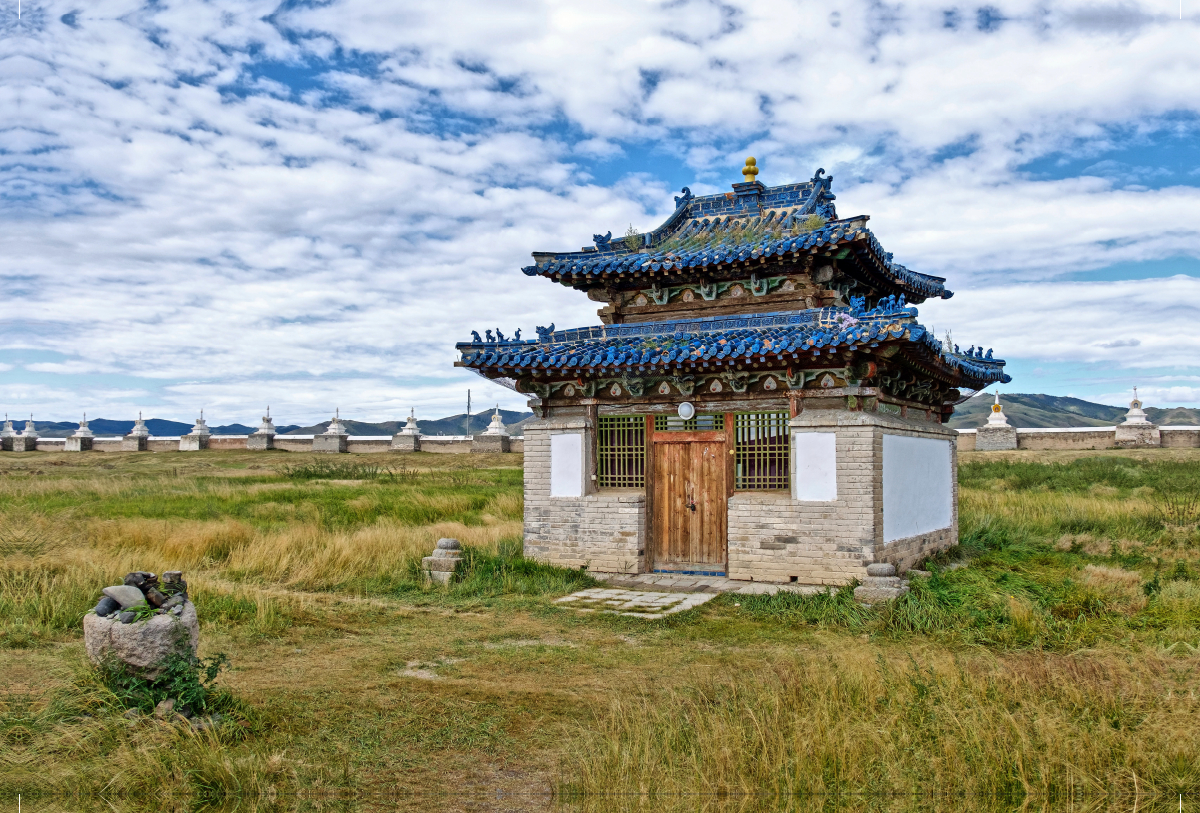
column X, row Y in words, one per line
column 735, row 227
column 716, row 341
column 585, row 266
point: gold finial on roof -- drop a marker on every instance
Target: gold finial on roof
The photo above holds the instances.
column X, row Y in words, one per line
column 750, row 170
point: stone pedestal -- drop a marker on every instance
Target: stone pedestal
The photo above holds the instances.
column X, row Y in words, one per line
column 23, row 444
column 193, row 443
column 329, row 443
column 134, row 443
column 440, row 566
column 79, row 444
column 490, row 443
column 259, row 442
column 141, row 645
column 6, row 444
column 404, row 442
column 881, row 584
column 995, row 438
column 1135, row 435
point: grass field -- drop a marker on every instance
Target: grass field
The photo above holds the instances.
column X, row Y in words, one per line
column 1055, row 670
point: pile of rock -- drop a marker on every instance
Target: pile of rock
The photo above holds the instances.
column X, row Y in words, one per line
column 142, row 622
column 142, row 591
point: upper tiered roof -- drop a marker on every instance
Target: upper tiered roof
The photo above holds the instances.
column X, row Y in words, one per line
column 752, row 223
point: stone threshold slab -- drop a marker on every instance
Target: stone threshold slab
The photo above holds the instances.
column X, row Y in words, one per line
column 702, row 584
column 633, row 603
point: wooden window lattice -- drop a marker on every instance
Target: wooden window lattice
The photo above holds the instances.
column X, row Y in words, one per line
column 697, row 423
column 621, row 451
column 762, row 451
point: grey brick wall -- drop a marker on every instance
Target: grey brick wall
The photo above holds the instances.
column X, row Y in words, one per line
column 603, row 531
column 772, row 538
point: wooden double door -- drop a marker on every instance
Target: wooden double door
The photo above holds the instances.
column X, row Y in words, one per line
column 689, row 501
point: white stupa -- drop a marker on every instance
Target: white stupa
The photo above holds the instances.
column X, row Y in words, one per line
column 8, row 431
column 30, row 429
column 81, row 439
column 496, row 427
column 335, row 426
column 139, row 429
column 410, row 427
column 201, row 428
column 267, row 427
column 1135, row 416
column 83, row 431
column 1137, row 430
column 997, row 418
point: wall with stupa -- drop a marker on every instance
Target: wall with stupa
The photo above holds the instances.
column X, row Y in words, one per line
column 1135, row 432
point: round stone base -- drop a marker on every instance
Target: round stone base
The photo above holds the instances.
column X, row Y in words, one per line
column 142, row 645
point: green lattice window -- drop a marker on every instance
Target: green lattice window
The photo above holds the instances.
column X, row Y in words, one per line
column 621, row 451
column 697, row 423
column 762, row 451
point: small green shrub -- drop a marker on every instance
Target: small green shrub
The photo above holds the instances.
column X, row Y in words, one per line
column 186, row 679
column 341, row 470
column 825, row 609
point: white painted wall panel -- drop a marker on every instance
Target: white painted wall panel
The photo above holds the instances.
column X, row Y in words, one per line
column 566, row 465
column 918, row 495
column 814, row 477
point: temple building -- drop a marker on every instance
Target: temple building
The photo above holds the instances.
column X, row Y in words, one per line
column 759, row 401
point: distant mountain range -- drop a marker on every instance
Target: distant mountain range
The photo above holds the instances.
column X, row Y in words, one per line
column 454, row 425
column 1026, row 411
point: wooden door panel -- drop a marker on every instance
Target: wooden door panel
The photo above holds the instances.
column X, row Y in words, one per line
column 708, row 466
column 689, row 473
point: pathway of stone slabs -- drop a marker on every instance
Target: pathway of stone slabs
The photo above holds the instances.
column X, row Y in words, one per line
column 627, row 595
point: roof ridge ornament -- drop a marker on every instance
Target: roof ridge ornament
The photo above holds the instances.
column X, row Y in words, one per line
column 750, row 170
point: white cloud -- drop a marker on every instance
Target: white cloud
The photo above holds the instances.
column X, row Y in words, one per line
column 1125, row 325
column 1158, row 396
column 178, row 213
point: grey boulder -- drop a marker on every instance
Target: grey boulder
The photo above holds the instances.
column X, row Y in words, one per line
column 107, row 607
column 125, row 595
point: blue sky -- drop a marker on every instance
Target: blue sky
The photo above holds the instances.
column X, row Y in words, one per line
column 224, row 204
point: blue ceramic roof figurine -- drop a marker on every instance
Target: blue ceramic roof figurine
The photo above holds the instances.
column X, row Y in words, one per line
column 760, row 290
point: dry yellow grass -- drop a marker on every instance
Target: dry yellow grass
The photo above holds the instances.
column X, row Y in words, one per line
column 1120, row 589
column 1050, row 508
column 852, row 721
column 300, row 555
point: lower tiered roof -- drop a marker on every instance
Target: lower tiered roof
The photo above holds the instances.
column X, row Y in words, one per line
column 656, row 348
